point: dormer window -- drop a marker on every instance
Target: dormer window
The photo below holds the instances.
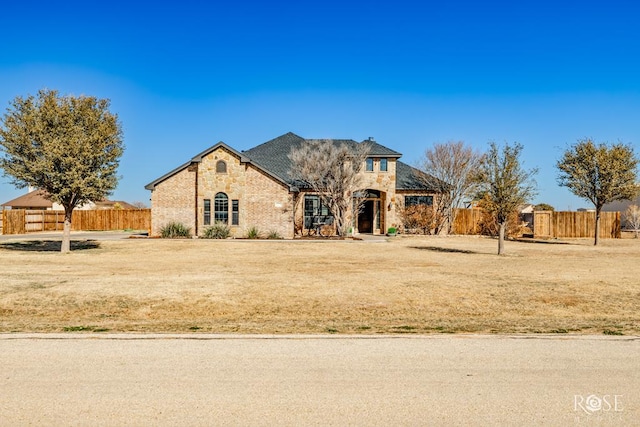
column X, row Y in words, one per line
column 221, row 166
column 369, row 164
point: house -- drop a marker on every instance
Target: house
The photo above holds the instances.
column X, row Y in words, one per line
column 33, row 200
column 37, row 200
column 254, row 188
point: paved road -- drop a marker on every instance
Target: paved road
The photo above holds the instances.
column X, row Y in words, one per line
column 386, row 381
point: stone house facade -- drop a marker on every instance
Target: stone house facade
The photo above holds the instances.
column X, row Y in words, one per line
column 253, row 188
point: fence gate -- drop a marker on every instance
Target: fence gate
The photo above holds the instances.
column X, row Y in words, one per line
column 542, row 224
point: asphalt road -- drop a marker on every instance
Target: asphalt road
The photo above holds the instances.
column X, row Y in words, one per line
column 296, row 380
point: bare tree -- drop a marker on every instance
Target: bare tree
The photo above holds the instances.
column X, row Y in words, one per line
column 505, row 184
column 333, row 172
column 632, row 218
column 139, row 205
column 454, row 166
column 68, row 146
column 599, row 173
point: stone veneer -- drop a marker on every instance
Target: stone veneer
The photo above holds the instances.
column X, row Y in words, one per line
column 264, row 202
column 385, row 183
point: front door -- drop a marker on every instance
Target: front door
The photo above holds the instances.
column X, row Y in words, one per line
column 365, row 218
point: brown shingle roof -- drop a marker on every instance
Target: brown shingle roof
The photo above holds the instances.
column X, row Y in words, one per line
column 34, row 199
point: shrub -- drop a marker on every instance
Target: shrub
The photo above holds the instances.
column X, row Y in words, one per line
column 274, row 235
column 253, row 233
column 419, row 219
column 175, row 230
column 391, row 230
column 218, row 230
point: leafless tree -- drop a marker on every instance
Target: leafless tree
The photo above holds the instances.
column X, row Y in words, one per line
column 632, row 218
column 333, row 172
column 139, row 205
column 453, row 165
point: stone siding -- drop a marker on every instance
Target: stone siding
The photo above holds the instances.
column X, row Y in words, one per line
column 384, row 182
column 263, row 202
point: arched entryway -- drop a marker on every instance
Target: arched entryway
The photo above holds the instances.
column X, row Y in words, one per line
column 371, row 215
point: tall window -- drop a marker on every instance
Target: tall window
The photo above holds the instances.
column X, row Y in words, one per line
column 369, row 164
column 207, row 211
column 221, row 208
column 221, row 166
column 417, row 200
column 383, row 165
column 235, row 213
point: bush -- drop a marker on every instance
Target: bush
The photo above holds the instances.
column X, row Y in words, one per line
column 218, row 230
column 253, row 233
column 274, row 235
column 419, row 219
column 391, row 230
column 175, row 230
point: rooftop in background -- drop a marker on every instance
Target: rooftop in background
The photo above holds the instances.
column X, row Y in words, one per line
column 37, row 200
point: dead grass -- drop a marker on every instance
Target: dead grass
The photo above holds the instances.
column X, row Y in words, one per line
column 406, row 285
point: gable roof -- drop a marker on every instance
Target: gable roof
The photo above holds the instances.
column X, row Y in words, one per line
column 198, row 158
column 272, row 157
column 33, row 199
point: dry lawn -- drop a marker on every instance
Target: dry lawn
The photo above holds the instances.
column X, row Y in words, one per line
column 404, row 285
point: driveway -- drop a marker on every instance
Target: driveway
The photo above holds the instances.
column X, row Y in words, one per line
column 306, row 380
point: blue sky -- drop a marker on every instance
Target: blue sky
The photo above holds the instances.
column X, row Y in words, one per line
column 185, row 75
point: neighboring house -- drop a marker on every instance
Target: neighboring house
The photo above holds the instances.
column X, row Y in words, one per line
column 37, row 200
column 33, row 200
column 621, row 205
column 254, row 188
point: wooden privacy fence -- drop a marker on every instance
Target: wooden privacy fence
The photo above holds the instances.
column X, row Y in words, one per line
column 549, row 224
column 27, row 221
column 467, row 221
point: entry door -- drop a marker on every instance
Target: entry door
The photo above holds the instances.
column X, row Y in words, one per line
column 365, row 219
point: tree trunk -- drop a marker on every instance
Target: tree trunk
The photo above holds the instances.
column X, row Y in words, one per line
column 597, row 236
column 501, row 238
column 65, row 247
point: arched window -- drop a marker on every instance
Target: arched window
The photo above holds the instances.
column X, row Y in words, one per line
column 221, row 208
column 221, row 166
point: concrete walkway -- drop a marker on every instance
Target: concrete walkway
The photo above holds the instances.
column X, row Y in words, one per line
column 202, row 380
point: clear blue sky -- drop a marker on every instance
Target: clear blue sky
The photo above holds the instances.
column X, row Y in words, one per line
column 184, row 75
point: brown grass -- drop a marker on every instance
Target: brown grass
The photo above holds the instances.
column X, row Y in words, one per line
column 406, row 285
